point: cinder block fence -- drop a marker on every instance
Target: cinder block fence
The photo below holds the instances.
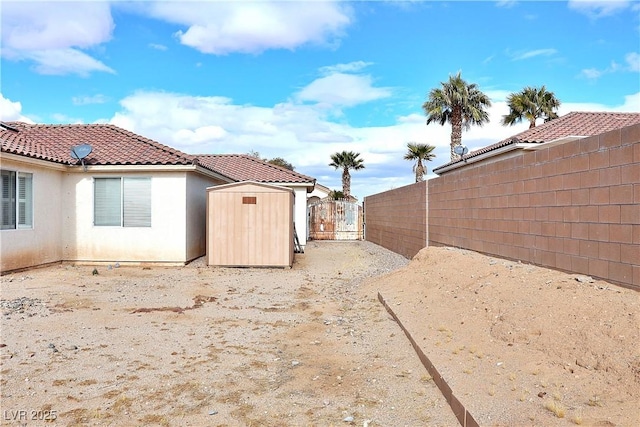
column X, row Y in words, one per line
column 573, row 207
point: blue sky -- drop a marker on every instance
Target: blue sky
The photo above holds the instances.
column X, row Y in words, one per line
column 302, row 80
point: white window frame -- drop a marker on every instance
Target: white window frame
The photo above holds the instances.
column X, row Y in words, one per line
column 17, row 200
column 126, row 203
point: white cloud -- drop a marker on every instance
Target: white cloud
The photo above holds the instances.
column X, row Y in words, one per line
column 11, row 111
column 533, row 53
column 238, row 128
column 488, row 59
column 88, row 100
column 53, row 34
column 632, row 64
column 200, row 134
column 633, row 61
column 65, row 61
column 63, row 118
column 341, row 89
column 252, row 27
column 157, row 46
column 497, row 95
column 506, row 3
column 598, row 8
column 631, row 104
column 351, row 67
column 591, row 73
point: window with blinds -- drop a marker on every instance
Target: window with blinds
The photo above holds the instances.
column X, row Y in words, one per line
column 16, row 203
column 124, row 202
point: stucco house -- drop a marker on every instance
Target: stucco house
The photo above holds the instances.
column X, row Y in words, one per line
column 319, row 192
column 131, row 199
column 570, row 127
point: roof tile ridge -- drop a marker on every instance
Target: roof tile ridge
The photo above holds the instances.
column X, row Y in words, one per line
column 10, row 126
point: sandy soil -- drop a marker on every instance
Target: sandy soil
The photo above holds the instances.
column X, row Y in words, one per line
column 519, row 344
column 313, row 346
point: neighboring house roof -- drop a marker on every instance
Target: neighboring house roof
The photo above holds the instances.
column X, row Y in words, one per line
column 570, row 126
column 110, row 144
column 242, row 167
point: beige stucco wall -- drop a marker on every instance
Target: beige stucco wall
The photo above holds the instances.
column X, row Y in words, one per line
column 21, row 248
column 300, row 214
column 164, row 241
column 196, row 208
column 319, row 191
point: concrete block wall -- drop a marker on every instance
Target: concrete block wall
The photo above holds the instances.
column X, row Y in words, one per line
column 573, row 207
column 397, row 219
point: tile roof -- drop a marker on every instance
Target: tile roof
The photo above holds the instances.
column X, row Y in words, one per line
column 13, row 141
column 110, row 144
column 581, row 124
column 241, row 167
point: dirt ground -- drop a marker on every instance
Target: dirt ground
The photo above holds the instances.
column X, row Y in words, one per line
column 313, row 346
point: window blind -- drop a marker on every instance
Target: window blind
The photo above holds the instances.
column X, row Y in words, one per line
column 25, row 200
column 8, row 202
column 107, row 201
column 136, row 202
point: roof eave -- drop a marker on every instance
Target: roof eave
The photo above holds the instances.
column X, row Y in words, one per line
column 557, row 141
column 211, row 173
column 497, row 152
column 133, row 168
column 308, row 185
column 52, row 164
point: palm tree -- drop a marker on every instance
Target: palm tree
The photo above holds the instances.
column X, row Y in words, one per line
column 336, row 195
column 531, row 103
column 419, row 152
column 346, row 160
column 459, row 103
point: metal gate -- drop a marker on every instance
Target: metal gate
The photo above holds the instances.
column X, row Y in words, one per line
column 335, row 220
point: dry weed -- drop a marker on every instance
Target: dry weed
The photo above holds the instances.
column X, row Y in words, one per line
column 555, row 407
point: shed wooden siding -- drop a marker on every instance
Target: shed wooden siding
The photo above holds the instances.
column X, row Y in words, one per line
column 250, row 225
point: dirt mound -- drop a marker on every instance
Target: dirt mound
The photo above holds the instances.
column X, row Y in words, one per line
column 520, row 344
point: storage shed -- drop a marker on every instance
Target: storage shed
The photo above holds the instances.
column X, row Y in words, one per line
column 250, row 224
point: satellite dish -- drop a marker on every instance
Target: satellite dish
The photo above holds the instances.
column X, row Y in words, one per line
column 80, row 152
column 460, row 150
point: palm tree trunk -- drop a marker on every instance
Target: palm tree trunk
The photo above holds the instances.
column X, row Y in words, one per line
column 456, row 131
column 419, row 171
column 346, row 183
